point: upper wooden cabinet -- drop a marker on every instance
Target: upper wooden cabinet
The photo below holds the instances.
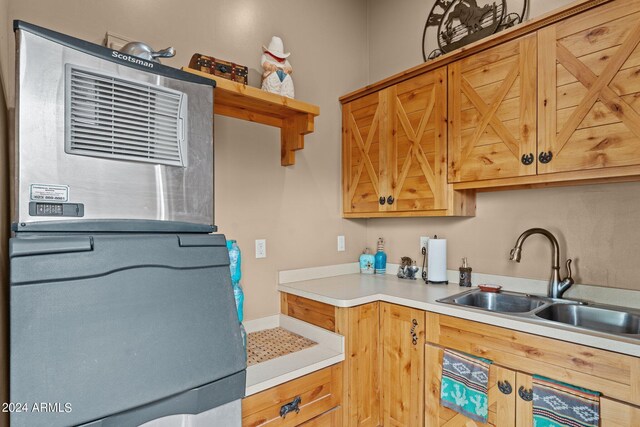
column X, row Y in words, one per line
column 589, row 90
column 554, row 101
column 492, row 112
column 363, row 155
column 418, row 155
column 394, row 152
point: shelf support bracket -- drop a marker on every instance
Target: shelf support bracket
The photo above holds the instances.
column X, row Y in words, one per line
column 292, row 136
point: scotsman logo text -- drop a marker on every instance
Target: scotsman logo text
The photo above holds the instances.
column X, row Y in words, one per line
column 131, row 59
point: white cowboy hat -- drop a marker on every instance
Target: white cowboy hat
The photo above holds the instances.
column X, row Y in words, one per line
column 276, row 48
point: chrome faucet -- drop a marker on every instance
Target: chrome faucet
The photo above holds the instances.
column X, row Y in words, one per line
column 557, row 286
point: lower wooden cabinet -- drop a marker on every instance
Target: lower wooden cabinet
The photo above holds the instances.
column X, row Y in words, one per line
column 617, row 414
column 316, row 394
column 361, row 328
column 389, row 381
column 502, row 405
column 518, row 355
column 402, row 365
column 330, row 418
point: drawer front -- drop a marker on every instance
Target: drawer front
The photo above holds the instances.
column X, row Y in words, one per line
column 317, row 392
column 332, row 418
column 310, row 311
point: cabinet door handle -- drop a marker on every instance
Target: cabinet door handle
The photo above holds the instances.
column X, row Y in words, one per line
column 390, row 200
column 527, row 159
column 545, row 157
column 414, row 336
column 526, row 395
column 382, row 200
column 505, row 387
column 293, row 406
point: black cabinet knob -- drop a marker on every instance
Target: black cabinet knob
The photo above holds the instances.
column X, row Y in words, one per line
column 545, row 157
column 382, row 200
column 390, row 200
column 526, row 395
column 527, row 159
column 505, row 387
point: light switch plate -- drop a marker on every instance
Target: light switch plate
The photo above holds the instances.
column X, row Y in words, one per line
column 341, row 244
column 261, row 248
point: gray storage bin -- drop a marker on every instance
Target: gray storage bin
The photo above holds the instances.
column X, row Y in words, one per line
column 117, row 323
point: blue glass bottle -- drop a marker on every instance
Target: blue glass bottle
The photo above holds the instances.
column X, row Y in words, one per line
column 381, row 258
column 235, row 261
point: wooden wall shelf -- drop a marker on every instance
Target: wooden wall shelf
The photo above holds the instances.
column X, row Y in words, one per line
column 294, row 118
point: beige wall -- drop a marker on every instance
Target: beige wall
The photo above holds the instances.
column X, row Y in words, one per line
column 395, row 32
column 297, row 209
column 597, row 226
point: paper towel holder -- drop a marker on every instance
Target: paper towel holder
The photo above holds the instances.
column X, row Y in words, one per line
column 424, row 268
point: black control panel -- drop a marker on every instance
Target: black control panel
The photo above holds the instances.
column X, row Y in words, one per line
column 56, row 209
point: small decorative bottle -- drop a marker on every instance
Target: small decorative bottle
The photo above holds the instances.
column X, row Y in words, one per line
column 465, row 274
column 367, row 261
column 381, row 258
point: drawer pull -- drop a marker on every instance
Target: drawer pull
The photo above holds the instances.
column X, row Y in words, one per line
column 505, row 387
column 526, row 395
column 293, row 406
column 414, row 336
column 382, row 200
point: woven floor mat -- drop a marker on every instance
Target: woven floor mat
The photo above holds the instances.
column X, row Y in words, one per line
column 271, row 343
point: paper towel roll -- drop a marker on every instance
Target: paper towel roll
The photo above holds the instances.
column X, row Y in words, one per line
column 437, row 261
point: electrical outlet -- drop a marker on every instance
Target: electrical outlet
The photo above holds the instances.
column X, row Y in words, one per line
column 261, row 248
column 341, row 244
column 423, row 242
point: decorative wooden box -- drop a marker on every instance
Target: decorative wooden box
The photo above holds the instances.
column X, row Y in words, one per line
column 219, row 68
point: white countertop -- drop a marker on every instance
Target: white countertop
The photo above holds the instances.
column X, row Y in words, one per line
column 328, row 351
column 348, row 290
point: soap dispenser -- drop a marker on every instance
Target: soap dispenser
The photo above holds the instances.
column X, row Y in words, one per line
column 367, row 261
column 465, row 274
column 381, row 258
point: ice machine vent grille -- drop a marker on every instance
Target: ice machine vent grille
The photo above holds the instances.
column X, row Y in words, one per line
column 115, row 118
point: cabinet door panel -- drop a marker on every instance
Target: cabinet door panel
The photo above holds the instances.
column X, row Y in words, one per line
column 361, row 327
column 363, row 155
column 402, row 365
column 524, row 408
column 418, row 156
column 502, row 407
column 492, row 113
column 589, row 89
column 617, row 414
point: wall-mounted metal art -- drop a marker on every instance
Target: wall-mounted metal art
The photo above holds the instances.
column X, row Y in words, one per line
column 455, row 23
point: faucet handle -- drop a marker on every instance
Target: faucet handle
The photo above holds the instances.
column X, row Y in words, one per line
column 567, row 282
column 569, row 269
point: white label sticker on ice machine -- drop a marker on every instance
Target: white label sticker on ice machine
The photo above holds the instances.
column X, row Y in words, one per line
column 49, row 193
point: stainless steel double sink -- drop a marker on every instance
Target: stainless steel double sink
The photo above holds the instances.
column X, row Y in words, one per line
column 589, row 316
